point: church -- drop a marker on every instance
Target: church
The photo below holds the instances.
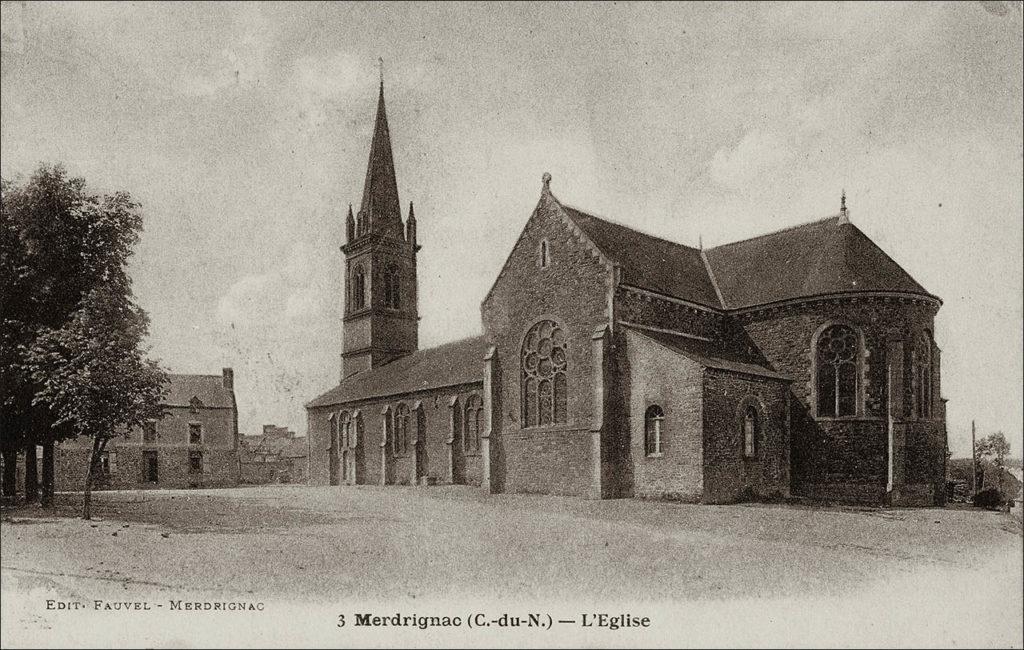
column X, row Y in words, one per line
column 796, row 364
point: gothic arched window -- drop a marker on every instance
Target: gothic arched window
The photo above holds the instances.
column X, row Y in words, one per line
column 392, row 295
column 345, row 435
column 472, row 424
column 358, row 288
column 544, row 254
column 923, row 396
column 544, row 392
column 653, row 420
column 332, row 449
column 400, row 439
column 332, row 424
column 836, row 363
column 750, row 431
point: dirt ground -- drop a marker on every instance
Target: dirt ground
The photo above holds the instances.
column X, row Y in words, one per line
column 705, row 575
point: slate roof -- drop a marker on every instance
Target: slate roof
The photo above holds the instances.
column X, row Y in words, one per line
column 380, row 189
column 208, row 388
column 649, row 262
column 823, row 257
column 711, row 355
column 451, row 364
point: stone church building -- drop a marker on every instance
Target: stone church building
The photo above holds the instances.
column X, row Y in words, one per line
column 800, row 363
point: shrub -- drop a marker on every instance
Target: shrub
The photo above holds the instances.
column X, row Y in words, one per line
column 989, row 498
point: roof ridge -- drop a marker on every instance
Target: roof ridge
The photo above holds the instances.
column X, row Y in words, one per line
column 627, row 227
column 447, row 343
column 421, row 351
column 778, row 231
column 714, row 280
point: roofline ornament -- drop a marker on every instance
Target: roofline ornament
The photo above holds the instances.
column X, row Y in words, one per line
column 844, row 214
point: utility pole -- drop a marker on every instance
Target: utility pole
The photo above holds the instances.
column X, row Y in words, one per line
column 974, row 463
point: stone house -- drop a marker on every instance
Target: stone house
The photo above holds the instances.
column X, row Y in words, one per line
column 195, row 444
column 618, row 364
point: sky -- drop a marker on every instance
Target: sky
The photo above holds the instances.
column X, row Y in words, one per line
column 244, row 131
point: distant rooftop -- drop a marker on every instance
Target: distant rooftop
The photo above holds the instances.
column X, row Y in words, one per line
column 209, row 389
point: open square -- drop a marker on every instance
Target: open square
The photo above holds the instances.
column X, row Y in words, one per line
column 438, row 547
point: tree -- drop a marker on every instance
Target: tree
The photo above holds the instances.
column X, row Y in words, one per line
column 994, row 447
column 57, row 241
column 94, row 375
column 63, row 261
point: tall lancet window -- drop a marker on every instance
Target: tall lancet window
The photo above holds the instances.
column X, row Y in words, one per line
column 750, row 432
column 358, row 288
column 472, row 425
column 400, row 440
column 392, row 288
column 544, row 365
column 923, row 395
column 836, row 363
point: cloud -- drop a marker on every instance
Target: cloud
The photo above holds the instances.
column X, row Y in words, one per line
column 288, row 293
column 321, row 81
column 757, row 153
column 277, row 328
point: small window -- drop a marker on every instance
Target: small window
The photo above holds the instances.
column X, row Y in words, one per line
column 195, row 462
column 105, row 463
column 652, row 431
column 195, row 433
column 750, row 432
column 149, row 431
column 544, row 257
column 149, row 466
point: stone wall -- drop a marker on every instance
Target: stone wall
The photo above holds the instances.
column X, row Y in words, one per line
column 431, row 412
column 847, row 458
column 574, row 290
column 172, row 448
column 658, row 376
column 645, row 308
column 729, row 474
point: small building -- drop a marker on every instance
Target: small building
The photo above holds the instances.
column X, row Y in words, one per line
column 276, row 456
column 195, row 443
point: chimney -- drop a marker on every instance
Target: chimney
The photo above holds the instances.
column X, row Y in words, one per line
column 229, row 378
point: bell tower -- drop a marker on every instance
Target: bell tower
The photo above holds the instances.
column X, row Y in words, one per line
column 381, row 321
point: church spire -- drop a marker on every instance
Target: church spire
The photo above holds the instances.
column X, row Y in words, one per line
column 380, row 209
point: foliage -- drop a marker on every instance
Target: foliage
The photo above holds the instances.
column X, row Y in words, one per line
column 994, row 447
column 58, row 242
column 92, row 372
column 989, row 498
column 72, row 334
